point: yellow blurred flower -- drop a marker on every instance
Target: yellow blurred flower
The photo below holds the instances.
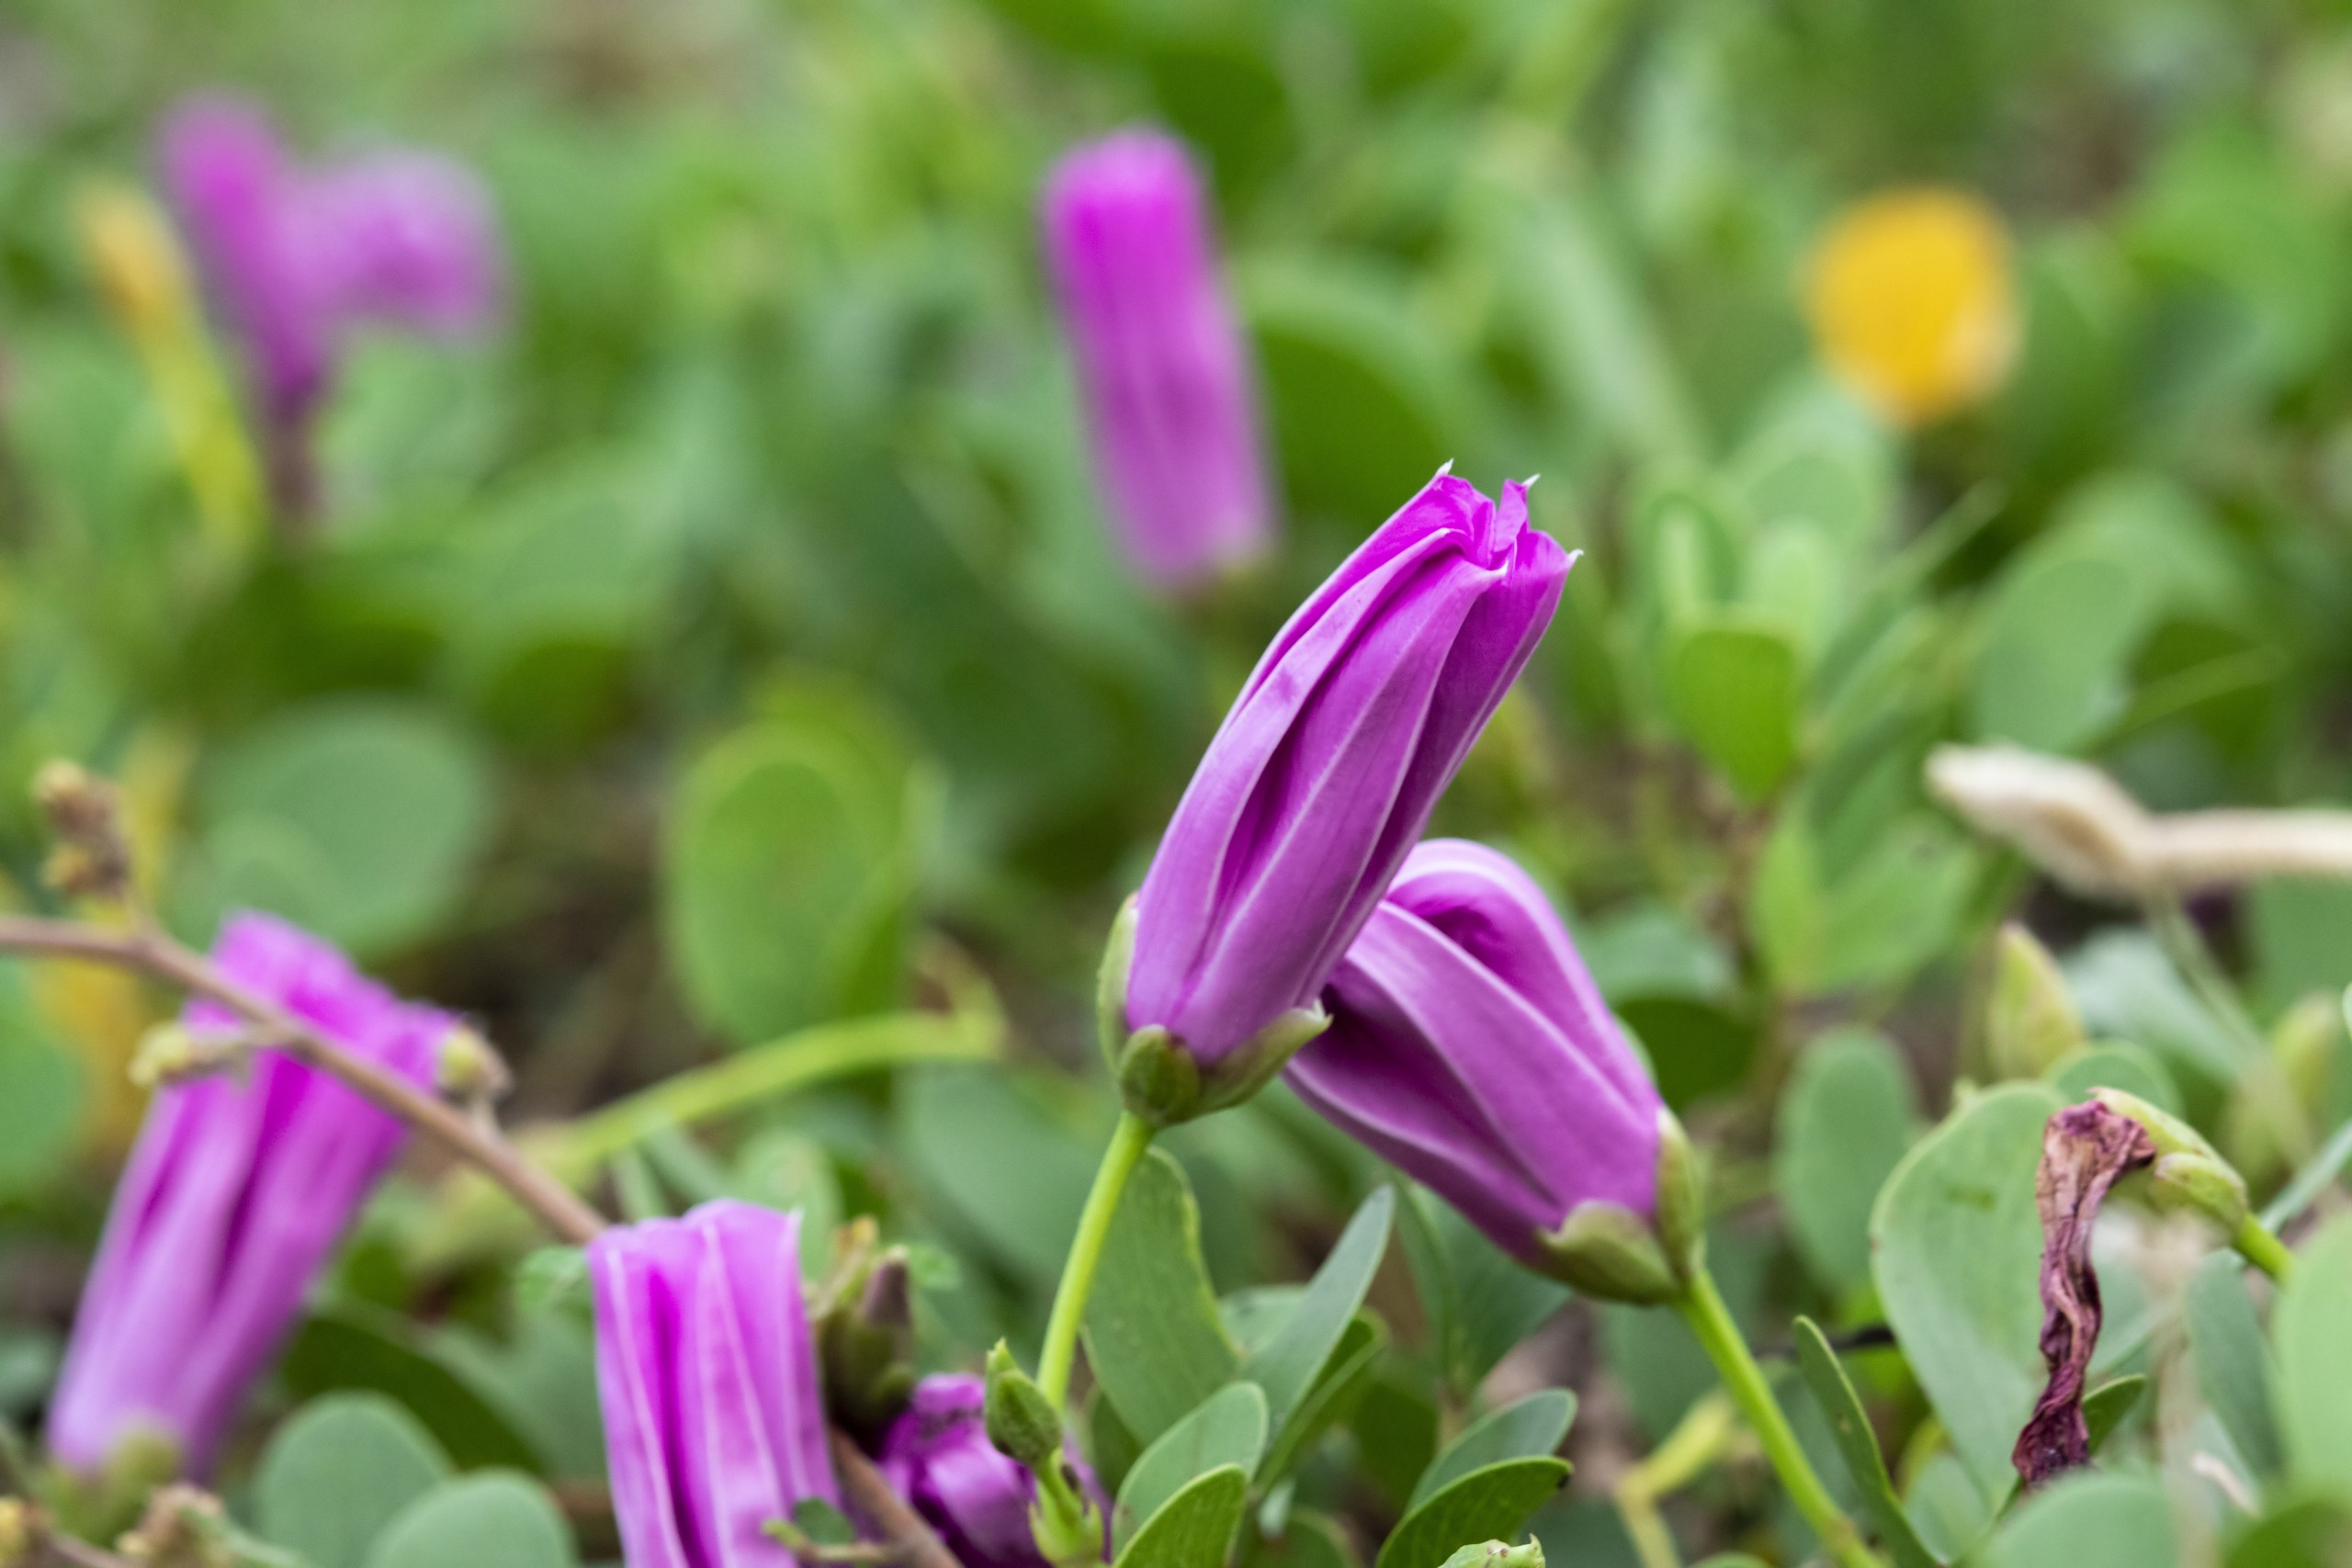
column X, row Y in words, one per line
column 1912, row 303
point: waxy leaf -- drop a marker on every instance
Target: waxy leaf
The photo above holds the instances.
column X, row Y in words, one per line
column 1526, row 1428
column 1153, row 1335
column 1845, row 1121
column 1858, row 1445
column 1194, row 1529
column 1492, row 1504
column 1332, row 1398
column 478, row 1521
column 2233, row 1363
column 2311, row 1328
column 1958, row 1255
column 1734, row 685
column 337, row 1472
column 1479, row 1302
column 2088, row 1519
column 352, row 1346
column 2105, row 1407
column 1228, row 1429
column 1293, row 1360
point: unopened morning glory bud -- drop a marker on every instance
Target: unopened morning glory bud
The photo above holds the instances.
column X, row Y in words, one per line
column 1170, row 408
column 1470, row 1048
column 296, row 257
column 938, row 1457
column 1316, row 788
column 234, row 1195
column 714, row 1413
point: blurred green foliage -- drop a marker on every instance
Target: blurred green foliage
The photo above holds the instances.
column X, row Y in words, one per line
column 735, row 645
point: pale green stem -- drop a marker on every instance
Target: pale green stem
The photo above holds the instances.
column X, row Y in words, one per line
column 2262, row 1249
column 1702, row 1308
column 1128, row 1142
column 785, row 1067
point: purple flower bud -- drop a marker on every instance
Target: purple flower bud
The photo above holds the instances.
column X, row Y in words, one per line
column 1470, row 1048
column 938, row 1457
column 405, row 239
column 1170, row 404
column 1325, row 772
column 714, row 1415
column 238, row 198
column 296, row 257
column 234, row 1195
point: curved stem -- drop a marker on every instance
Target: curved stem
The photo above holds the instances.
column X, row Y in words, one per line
column 2262, row 1249
column 152, row 952
column 1702, row 1308
column 1128, row 1142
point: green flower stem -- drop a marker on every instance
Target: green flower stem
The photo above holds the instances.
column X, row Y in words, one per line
column 2262, row 1249
column 1702, row 1308
column 1128, row 1142
column 785, row 1067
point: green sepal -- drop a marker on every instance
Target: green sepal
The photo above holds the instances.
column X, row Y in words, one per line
column 1609, row 1252
column 1111, row 986
column 2190, row 1173
column 1164, row 1083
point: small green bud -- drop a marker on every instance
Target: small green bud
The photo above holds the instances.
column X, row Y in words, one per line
column 1022, row 1422
column 865, row 1341
column 2188, row 1173
column 468, row 1068
column 2030, row 1020
column 182, row 1528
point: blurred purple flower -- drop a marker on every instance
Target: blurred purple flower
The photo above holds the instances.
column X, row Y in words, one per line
column 296, row 257
column 714, row 1413
column 1470, row 1048
column 233, row 1198
column 938, row 1457
column 1325, row 772
column 1170, row 403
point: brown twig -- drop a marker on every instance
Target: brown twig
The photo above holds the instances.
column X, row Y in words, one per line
column 152, row 952
column 870, row 1498
column 78, row 1554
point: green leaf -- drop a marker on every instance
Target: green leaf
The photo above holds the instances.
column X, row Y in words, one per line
column 43, row 1090
column 2300, row 932
column 1947, row 1506
column 2311, row 1533
column 353, row 1347
column 1194, row 1529
column 1333, row 1398
column 358, row 820
column 1491, row 1504
column 1294, row 1360
column 1229, row 1427
column 1356, row 392
column 1958, row 1253
column 2233, row 1363
column 1857, row 1444
column 478, row 1521
column 1845, row 1121
column 2310, row 1327
column 989, row 1158
column 1526, row 1428
column 1153, row 1334
column 336, row 1474
column 2058, row 641
column 2105, row 1407
column 2114, row 1065
column 789, row 867
column 2088, row 1519
column 1479, row 1301
column 1731, row 682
